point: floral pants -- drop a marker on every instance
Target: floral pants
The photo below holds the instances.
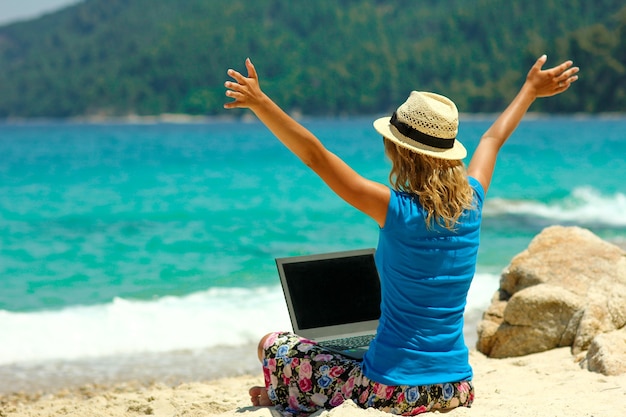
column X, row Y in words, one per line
column 301, row 377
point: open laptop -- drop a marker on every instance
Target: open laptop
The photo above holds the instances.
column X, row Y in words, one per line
column 333, row 298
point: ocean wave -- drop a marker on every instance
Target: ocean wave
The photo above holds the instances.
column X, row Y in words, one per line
column 217, row 317
column 585, row 206
column 212, row 318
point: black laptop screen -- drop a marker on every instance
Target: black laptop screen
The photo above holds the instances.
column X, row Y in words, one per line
column 335, row 291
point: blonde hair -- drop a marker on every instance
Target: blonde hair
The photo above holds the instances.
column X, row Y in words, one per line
column 441, row 185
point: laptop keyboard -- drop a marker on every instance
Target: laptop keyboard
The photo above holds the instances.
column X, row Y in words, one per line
column 348, row 342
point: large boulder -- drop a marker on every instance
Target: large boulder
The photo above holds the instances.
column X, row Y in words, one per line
column 566, row 289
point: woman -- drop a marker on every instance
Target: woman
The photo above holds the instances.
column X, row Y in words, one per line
column 426, row 256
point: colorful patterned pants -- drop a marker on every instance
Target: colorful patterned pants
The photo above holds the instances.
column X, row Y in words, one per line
column 301, row 377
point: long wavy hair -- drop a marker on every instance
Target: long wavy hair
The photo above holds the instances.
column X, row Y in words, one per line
column 441, row 185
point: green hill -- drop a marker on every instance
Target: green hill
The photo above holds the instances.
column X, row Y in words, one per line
column 321, row 57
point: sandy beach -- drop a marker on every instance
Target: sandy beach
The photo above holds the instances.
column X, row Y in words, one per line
column 545, row 384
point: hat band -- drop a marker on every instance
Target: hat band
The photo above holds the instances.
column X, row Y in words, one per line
column 420, row 137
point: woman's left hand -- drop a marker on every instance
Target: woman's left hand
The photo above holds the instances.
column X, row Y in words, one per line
column 245, row 91
column 552, row 81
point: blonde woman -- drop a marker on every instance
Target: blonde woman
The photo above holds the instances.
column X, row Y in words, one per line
column 429, row 222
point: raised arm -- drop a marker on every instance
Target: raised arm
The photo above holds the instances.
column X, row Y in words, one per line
column 368, row 196
column 539, row 83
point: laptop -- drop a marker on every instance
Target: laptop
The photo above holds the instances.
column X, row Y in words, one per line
column 333, row 298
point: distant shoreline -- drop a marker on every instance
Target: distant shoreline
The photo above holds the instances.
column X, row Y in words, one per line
column 183, row 119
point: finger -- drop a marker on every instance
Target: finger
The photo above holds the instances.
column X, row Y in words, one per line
column 232, row 105
column 560, row 69
column 570, row 80
column 233, row 86
column 565, row 84
column 237, row 76
column 561, row 84
column 237, row 102
column 572, row 72
column 540, row 62
column 235, row 95
column 251, row 70
column 567, row 76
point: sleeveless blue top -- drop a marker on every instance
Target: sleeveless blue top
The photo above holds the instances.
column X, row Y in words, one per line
column 425, row 275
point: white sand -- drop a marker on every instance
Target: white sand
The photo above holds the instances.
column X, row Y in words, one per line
column 544, row 384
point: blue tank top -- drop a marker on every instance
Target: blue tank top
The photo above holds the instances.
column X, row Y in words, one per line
column 425, row 275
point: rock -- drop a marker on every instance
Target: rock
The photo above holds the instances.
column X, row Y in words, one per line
column 607, row 353
column 566, row 289
column 488, row 326
column 572, row 257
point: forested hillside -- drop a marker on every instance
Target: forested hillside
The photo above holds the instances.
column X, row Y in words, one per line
column 321, row 57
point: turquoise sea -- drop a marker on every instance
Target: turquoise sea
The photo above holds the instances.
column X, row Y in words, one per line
column 147, row 249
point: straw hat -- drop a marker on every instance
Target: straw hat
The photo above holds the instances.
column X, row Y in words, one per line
column 426, row 123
